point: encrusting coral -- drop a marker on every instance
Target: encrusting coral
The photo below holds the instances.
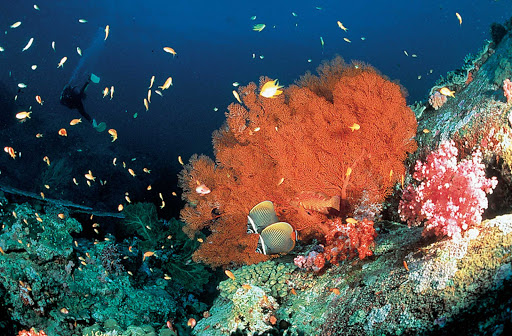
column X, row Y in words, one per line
column 341, row 133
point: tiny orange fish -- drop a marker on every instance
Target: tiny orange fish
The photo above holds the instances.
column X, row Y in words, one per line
column 147, row 171
column 246, row 286
column 120, row 207
column 39, row 135
column 10, row 151
column 230, row 274
column 147, row 255
column 75, row 121
column 191, row 322
column 336, row 291
column 47, row 160
column 39, row 100
column 132, row 173
column 170, row 51
column 63, row 132
column 113, row 133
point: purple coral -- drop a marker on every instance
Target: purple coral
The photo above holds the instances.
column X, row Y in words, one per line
column 451, row 196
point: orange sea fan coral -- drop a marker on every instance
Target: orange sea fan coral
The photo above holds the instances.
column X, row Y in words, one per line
column 303, row 141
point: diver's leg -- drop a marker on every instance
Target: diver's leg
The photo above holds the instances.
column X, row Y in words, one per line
column 84, row 114
column 85, row 86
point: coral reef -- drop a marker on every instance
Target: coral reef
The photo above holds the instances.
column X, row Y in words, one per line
column 339, row 134
column 440, row 285
column 61, row 285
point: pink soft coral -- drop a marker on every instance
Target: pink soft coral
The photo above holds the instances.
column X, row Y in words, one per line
column 507, row 90
column 451, row 196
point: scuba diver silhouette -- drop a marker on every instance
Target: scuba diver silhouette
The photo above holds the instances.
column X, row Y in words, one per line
column 72, row 98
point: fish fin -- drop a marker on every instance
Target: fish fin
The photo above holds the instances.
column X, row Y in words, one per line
column 251, row 226
column 261, row 248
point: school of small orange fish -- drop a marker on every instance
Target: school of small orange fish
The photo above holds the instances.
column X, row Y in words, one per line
column 270, row 89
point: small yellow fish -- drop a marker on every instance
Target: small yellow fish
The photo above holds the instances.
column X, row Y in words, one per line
column 62, row 61
column 151, row 82
column 355, row 127
column 158, row 92
column 89, row 176
column 170, row 51
column 23, row 115
column 237, row 96
column 167, row 84
column 146, row 104
column 111, row 92
column 447, row 92
column 347, row 40
column 271, row 89
column 459, row 17
column 47, row 160
column 114, row 161
column 342, row 26
column 75, row 121
column 105, row 92
column 16, row 24
column 147, row 171
column 149, row 96
column 180, row 160
column 120, row 207
column 113, row 133
column 259, row 27
column 132, row 173
column 107, row 31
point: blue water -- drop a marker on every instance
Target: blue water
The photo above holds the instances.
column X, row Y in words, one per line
column 215, row 44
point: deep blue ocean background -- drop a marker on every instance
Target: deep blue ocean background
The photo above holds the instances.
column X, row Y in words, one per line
column 215, row 44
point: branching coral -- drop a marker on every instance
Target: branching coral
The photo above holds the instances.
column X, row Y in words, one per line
column 339, row 134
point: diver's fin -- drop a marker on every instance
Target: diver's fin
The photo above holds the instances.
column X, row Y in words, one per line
column 95, row 79
column 99, row 127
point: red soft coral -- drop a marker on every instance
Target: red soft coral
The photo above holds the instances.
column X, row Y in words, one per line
column 345, row 240
column 451, row 196
column 31, row 332
column 339, row 134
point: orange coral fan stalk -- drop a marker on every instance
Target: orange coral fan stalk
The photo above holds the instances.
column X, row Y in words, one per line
column 341, row 133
